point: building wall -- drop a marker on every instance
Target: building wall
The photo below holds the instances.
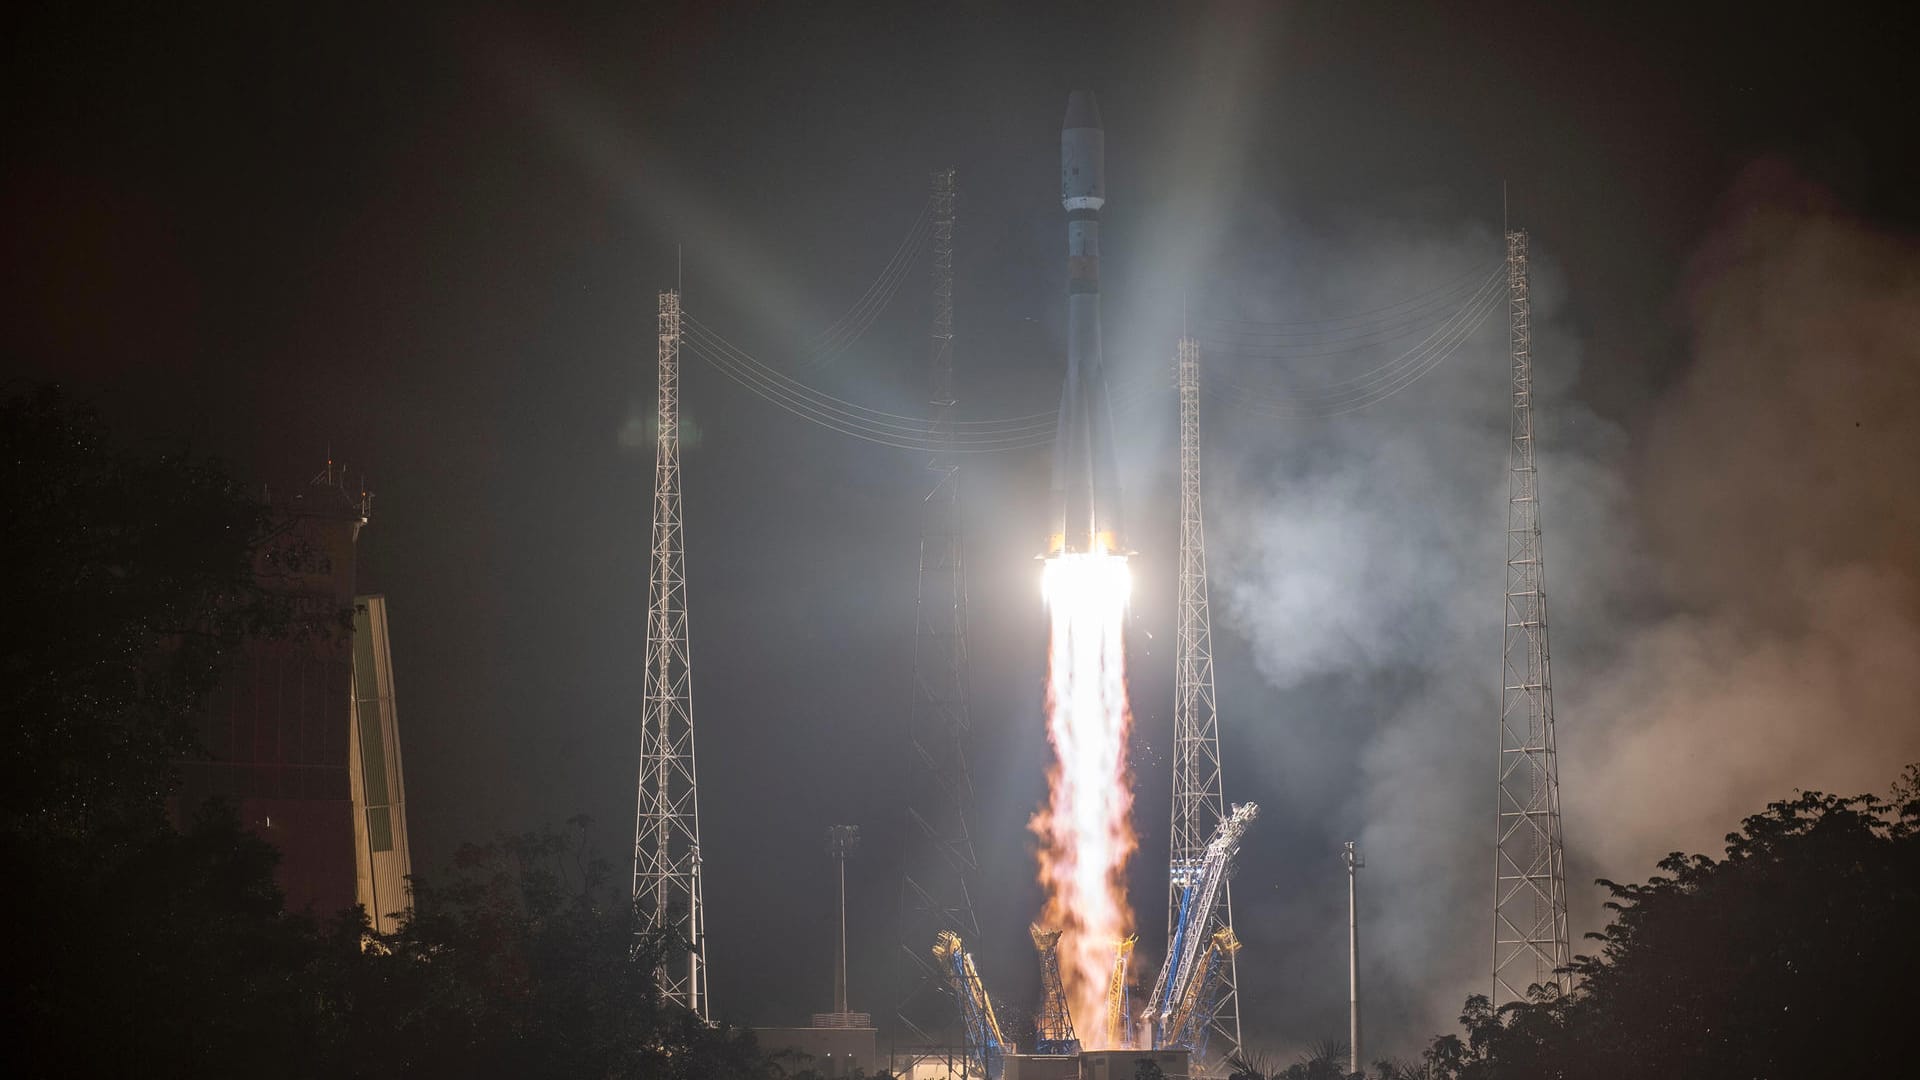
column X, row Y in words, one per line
column 830, row 1051
column 277, row 729
column 1125, row 1064
column 1041, row 1067
column 381, row 856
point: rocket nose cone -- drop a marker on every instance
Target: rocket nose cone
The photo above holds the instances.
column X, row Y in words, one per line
column 1082, row 111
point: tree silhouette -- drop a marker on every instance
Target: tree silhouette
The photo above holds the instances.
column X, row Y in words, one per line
column 142, row 950
column 522, row 959
column 130, row 584
column 1791, row 956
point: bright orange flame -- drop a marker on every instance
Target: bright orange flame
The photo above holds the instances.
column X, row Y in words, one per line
column 1085, row 830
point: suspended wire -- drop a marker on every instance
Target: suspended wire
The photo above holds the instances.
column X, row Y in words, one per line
column 914, row 232
column 1412, row 376
column 892, row 429
column 907, row 433
column 1035, row 430
column 786, row 397
column 1127, row 397
column 844, row 339
column 930, row 438
column 1341, row 343
column 1384, row 371
column 696, row 330
column 1292, row 339
column 925, row 441
column 1389, row 383
column 830, row 344
column 1451, row 285
column 919, row 434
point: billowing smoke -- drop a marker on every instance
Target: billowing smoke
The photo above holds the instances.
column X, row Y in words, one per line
column 1777, row 488
column 1733, row 572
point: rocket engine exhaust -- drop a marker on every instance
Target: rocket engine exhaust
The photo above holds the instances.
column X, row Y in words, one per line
column 1085, row 829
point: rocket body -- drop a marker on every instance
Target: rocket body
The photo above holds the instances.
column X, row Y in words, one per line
column 1086, row 491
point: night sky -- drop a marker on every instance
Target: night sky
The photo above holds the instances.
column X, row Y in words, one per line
column 429, row 240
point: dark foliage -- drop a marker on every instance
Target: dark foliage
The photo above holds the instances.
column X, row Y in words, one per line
column 522, row 961
column 130, row 582
column 1789, row 957
column 137, row 949
column 168, row 954
column 1324, row 1060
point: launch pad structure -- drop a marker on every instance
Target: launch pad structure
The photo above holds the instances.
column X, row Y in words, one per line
column 1194, row 1009
column 1194, row 1005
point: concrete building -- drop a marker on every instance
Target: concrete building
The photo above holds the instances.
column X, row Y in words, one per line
column 283, row 733
column 952, row 1064
column 1125, row 1064
column 829, row 1051
column 1041, row 1067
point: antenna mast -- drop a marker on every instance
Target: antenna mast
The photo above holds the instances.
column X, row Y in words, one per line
column 1354, row 860
column 1530, row 883
column 666, row 834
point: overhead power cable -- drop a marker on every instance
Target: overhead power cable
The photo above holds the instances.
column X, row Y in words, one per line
column 1132, row 395
column 836, row 414
column 1452, row 285
column 1400, row 380
column 841, row 419
column 849, row 418
column 830, row 344
column 925, row 440
column 1339, row 341
column 700, row 332
column 1374, row 387
column 1488, row 287
column 922, row 441
column 1476, row 297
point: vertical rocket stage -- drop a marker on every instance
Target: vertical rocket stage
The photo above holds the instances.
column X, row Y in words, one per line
column 1086, row 490
column 1085, row 827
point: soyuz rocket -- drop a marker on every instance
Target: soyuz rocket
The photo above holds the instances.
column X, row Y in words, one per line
column 1085, row 511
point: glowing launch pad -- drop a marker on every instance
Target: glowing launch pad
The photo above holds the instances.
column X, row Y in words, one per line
column 1085, row 1028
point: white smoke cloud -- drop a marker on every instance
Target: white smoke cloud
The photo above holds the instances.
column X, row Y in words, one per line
column 1777, row 482
column 1732, row 574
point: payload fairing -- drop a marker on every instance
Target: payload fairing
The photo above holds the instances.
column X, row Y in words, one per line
column 1086, row 485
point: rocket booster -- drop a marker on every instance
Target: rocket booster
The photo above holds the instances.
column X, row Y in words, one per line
column 1086, row 489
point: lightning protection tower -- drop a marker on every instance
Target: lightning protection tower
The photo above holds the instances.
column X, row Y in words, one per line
column 666, row 833
column 937, row 893
column 1197, row 803
column 1530, row 883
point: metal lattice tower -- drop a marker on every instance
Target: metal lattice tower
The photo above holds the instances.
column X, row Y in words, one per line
column 1052, row 1024
column 937, row 893
column 666, row 831
column 1197, row 803
column 1530, row 882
